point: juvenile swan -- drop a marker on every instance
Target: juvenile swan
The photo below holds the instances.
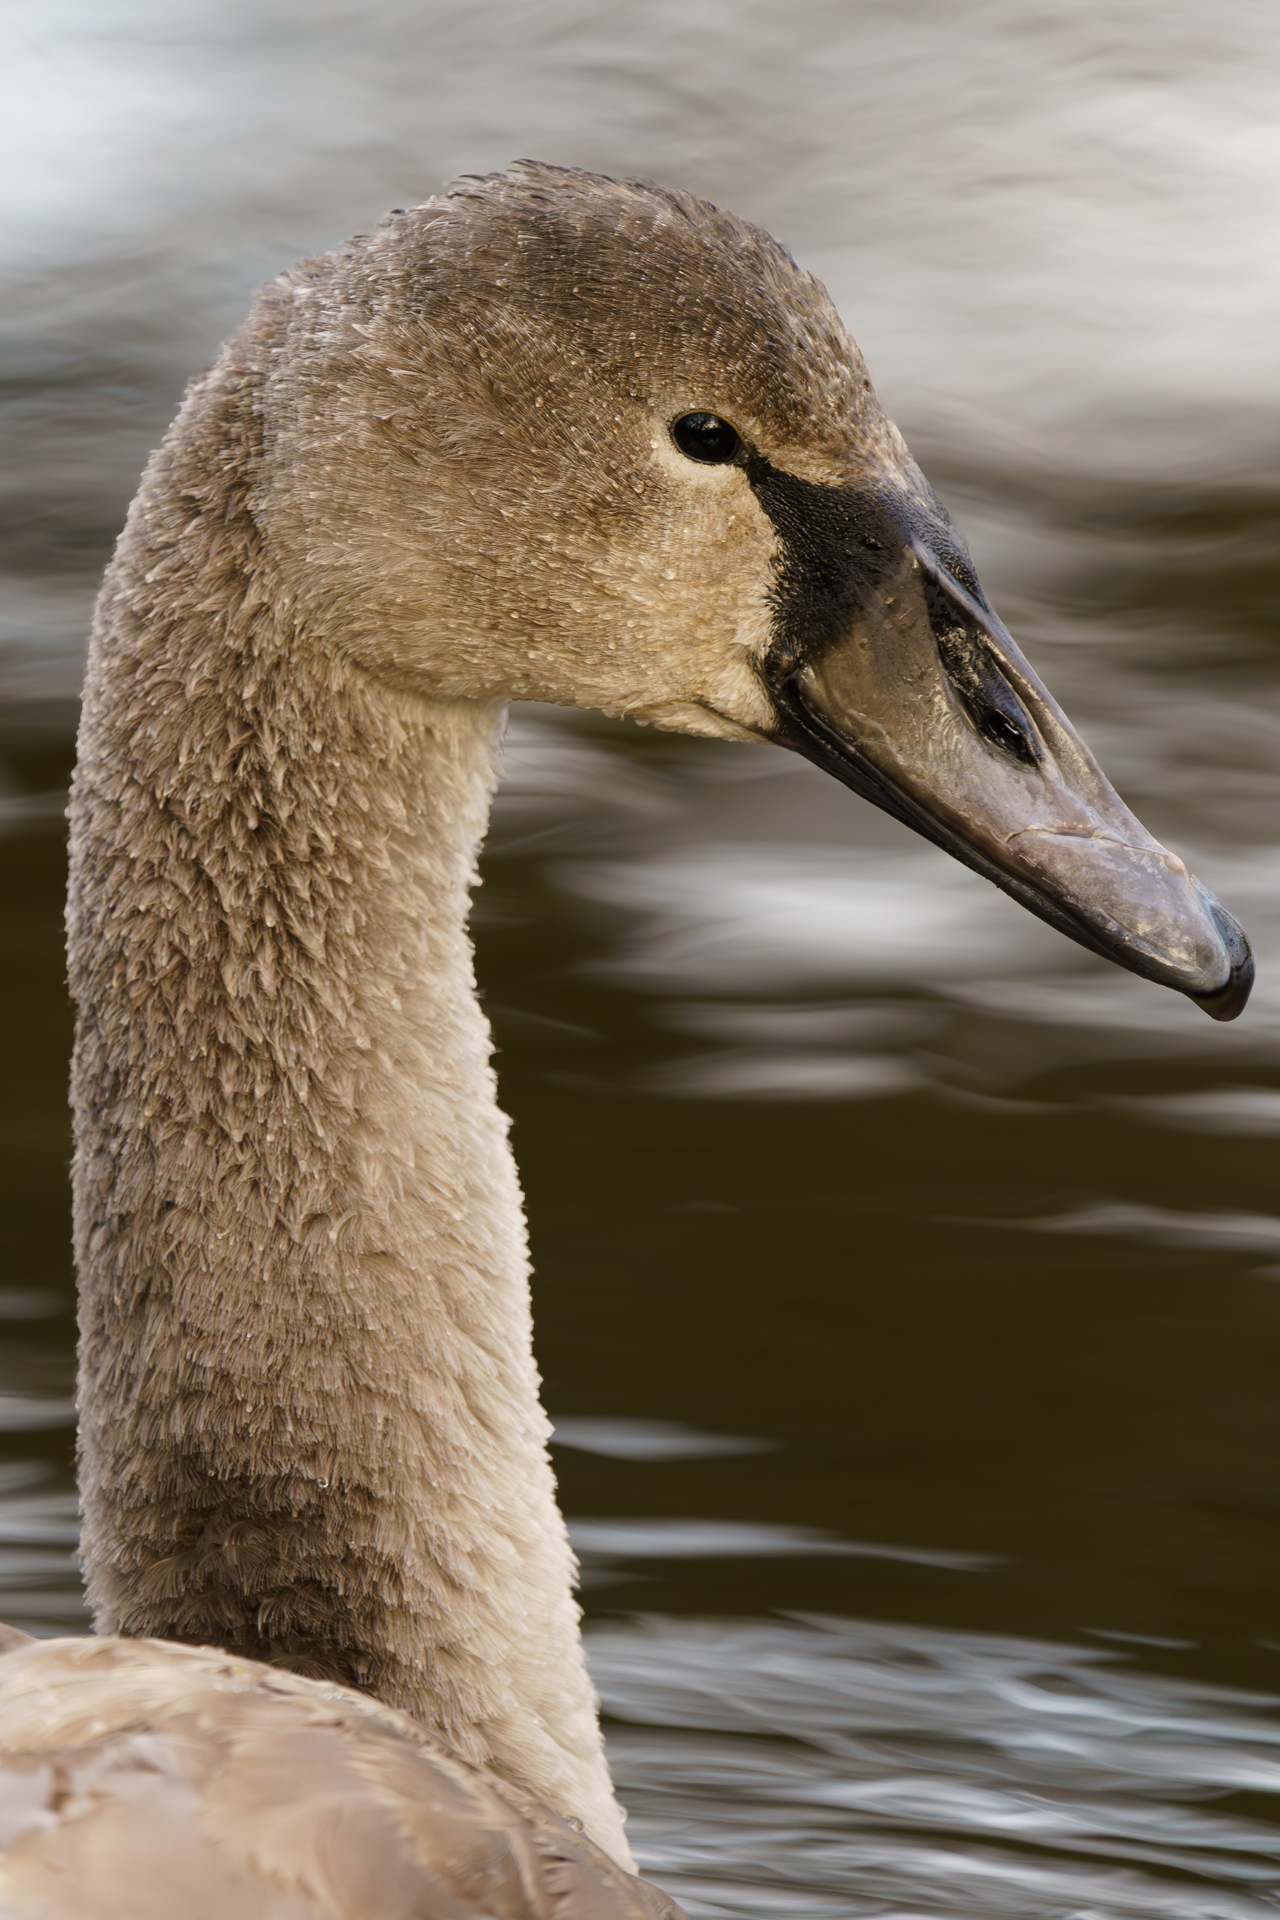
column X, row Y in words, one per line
column 548, row 437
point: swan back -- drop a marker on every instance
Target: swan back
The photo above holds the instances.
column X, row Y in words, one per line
column 250, row 1791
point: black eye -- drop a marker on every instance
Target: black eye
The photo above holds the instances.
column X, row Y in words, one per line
column 706, row 437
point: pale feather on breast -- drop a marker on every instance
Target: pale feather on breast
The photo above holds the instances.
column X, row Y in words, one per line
column 252, row 1791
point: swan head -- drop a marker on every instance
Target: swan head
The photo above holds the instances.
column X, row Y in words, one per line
column 563, row 438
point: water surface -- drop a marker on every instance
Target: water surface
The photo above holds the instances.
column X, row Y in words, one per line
column 908, row 1282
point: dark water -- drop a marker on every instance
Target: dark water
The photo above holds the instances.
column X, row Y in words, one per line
column 908, row 1283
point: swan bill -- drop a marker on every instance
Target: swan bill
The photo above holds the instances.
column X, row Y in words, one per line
column 890, row 671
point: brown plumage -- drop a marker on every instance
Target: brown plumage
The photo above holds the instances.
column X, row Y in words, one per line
column 177, row 1783
column 447, row 465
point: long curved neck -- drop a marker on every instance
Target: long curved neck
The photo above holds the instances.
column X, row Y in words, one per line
column 310, row 1427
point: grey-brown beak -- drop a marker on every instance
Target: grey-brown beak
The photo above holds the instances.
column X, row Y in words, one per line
column 923, row 704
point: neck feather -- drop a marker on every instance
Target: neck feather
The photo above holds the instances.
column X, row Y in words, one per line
column 310, row 1427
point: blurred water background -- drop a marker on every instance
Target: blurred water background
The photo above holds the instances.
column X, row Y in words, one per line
column 908, row 1282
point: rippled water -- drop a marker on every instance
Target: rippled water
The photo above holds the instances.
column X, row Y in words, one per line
column 907, row 1279
column 907, row 1771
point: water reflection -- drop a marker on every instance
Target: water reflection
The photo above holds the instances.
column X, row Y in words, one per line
column 847, row 1768
column 39, row 1530
column 598, row 1543
column 824, row 1140
column 651, row 1440
column 1163, row 1227
column 1242, row 1110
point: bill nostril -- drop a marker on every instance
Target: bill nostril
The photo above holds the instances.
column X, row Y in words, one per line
column 988, row 701
column 985, row 697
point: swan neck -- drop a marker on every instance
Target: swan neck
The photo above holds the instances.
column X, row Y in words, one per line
column 310, row 1426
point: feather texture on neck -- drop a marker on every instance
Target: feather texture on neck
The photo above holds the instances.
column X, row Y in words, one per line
column 310, row 1420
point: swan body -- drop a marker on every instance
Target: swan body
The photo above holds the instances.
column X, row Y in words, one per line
column 550, row 437
column 247, row 1791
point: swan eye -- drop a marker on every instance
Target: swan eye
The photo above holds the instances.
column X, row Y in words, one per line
column 706, row 437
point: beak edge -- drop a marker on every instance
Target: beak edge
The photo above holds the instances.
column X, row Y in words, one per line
column 1229, row 1002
